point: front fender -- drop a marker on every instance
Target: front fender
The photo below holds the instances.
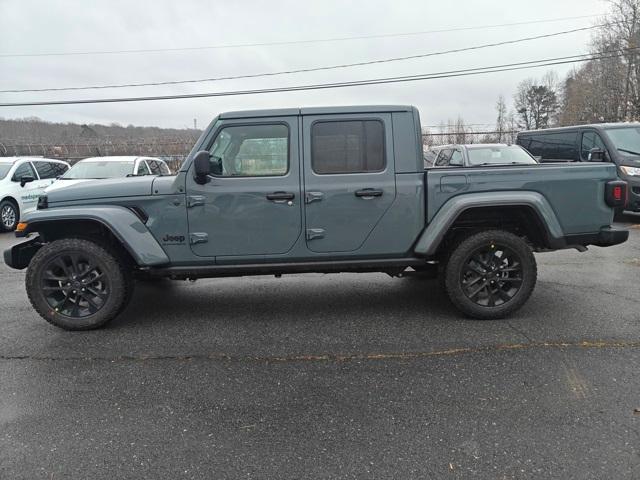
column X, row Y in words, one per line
column 432, row 236
column 120, row 221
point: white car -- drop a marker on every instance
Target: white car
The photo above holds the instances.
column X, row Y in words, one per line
column 97, row 168
column 22, row 181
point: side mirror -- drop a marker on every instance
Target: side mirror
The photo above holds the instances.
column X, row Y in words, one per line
column 26, row 179
column 597, row 155
column 201, row 167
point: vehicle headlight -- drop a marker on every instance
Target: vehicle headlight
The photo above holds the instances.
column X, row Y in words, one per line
column 633, row 171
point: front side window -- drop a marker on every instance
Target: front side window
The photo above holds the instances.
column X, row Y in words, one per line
column 591, row 140
column 143, row 169
column 24, row 170
column 456, row 159
column 251, row 151
column 353, row 146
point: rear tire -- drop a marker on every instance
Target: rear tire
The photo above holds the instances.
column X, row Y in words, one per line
column 490, row 274
column 9, row 216
column 76, row 284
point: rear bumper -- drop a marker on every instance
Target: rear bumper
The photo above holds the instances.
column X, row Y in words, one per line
column 606, row 237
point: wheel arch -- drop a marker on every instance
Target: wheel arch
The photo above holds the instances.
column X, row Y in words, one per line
column 526, row 214
column 112, row 225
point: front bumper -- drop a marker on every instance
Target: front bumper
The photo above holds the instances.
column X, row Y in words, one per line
column 20, row 255
column 633, row 202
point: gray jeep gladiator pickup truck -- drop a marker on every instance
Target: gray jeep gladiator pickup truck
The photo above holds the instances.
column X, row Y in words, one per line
column 312, row 190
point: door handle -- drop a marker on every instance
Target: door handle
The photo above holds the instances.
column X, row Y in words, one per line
column 369, row 193
column 280, row 197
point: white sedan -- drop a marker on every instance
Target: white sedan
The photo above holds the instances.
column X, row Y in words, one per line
column 22, row 181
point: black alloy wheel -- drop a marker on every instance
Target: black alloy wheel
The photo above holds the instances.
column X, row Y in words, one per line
column 490, row 274
column 74, row 285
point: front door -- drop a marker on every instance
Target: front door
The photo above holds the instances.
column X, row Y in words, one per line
column 27, row 194
column 251, row 207
column 349, row 179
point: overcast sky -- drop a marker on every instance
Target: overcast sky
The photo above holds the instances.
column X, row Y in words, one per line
column 37, row 26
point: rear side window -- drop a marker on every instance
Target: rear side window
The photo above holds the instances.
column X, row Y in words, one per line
column 48, row 169
column 553, row 146
column 354, row 146
column 154, row 166
column 60, row 168
column 24, row 170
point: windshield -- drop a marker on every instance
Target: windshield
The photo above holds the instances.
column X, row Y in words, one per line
column 499, row 156
column 99, row 170
column 627, row 139
column 4, row 169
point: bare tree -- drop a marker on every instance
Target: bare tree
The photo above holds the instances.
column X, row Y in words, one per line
column 536, row 103
column 501, row 119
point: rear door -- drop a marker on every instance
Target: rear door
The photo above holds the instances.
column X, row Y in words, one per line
column 251, row 205
column 349, row 178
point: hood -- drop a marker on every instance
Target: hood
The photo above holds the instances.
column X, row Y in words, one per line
column 72, row 190
column 629, row 160
column 58, row 184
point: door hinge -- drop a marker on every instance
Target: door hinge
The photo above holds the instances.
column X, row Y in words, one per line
column 195, row 200
column 313, row 197
column 198, row 237
column 313, row 233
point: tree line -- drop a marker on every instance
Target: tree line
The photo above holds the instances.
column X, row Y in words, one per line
column 606, row 89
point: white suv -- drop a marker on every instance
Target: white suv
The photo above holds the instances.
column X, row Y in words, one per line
column 22, row 181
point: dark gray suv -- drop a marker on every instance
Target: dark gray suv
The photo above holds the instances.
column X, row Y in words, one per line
column 618, row 143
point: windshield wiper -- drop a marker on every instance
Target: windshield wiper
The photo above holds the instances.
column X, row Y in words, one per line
column 629, row 151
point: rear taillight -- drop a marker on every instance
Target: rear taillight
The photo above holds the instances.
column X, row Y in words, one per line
column 616, row 193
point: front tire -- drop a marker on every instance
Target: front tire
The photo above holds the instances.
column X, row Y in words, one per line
column 9, row 216
column 76, row 284
column 490, row 274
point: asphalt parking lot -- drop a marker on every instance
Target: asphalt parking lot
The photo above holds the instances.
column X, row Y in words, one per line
column 339, row 376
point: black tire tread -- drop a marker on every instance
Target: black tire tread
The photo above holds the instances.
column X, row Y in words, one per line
column 459, row 255
column 120, row 289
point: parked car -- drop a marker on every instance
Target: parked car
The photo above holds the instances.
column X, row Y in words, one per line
column 482, row 155
column 22, row 181
column 339, row 189
column 95, row 168
column 618, row 143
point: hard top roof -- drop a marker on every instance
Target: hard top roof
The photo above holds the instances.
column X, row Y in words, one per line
column 288, row 112
column 474, row 145
column 30, row 158
column 595, row 126
column 114, row 158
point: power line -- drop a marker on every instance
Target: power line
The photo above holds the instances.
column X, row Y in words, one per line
column 293, row 42
column 312, row 69
column 355, row 83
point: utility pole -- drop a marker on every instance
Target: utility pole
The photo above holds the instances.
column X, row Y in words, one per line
column 630, row 45
column 195, row 123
